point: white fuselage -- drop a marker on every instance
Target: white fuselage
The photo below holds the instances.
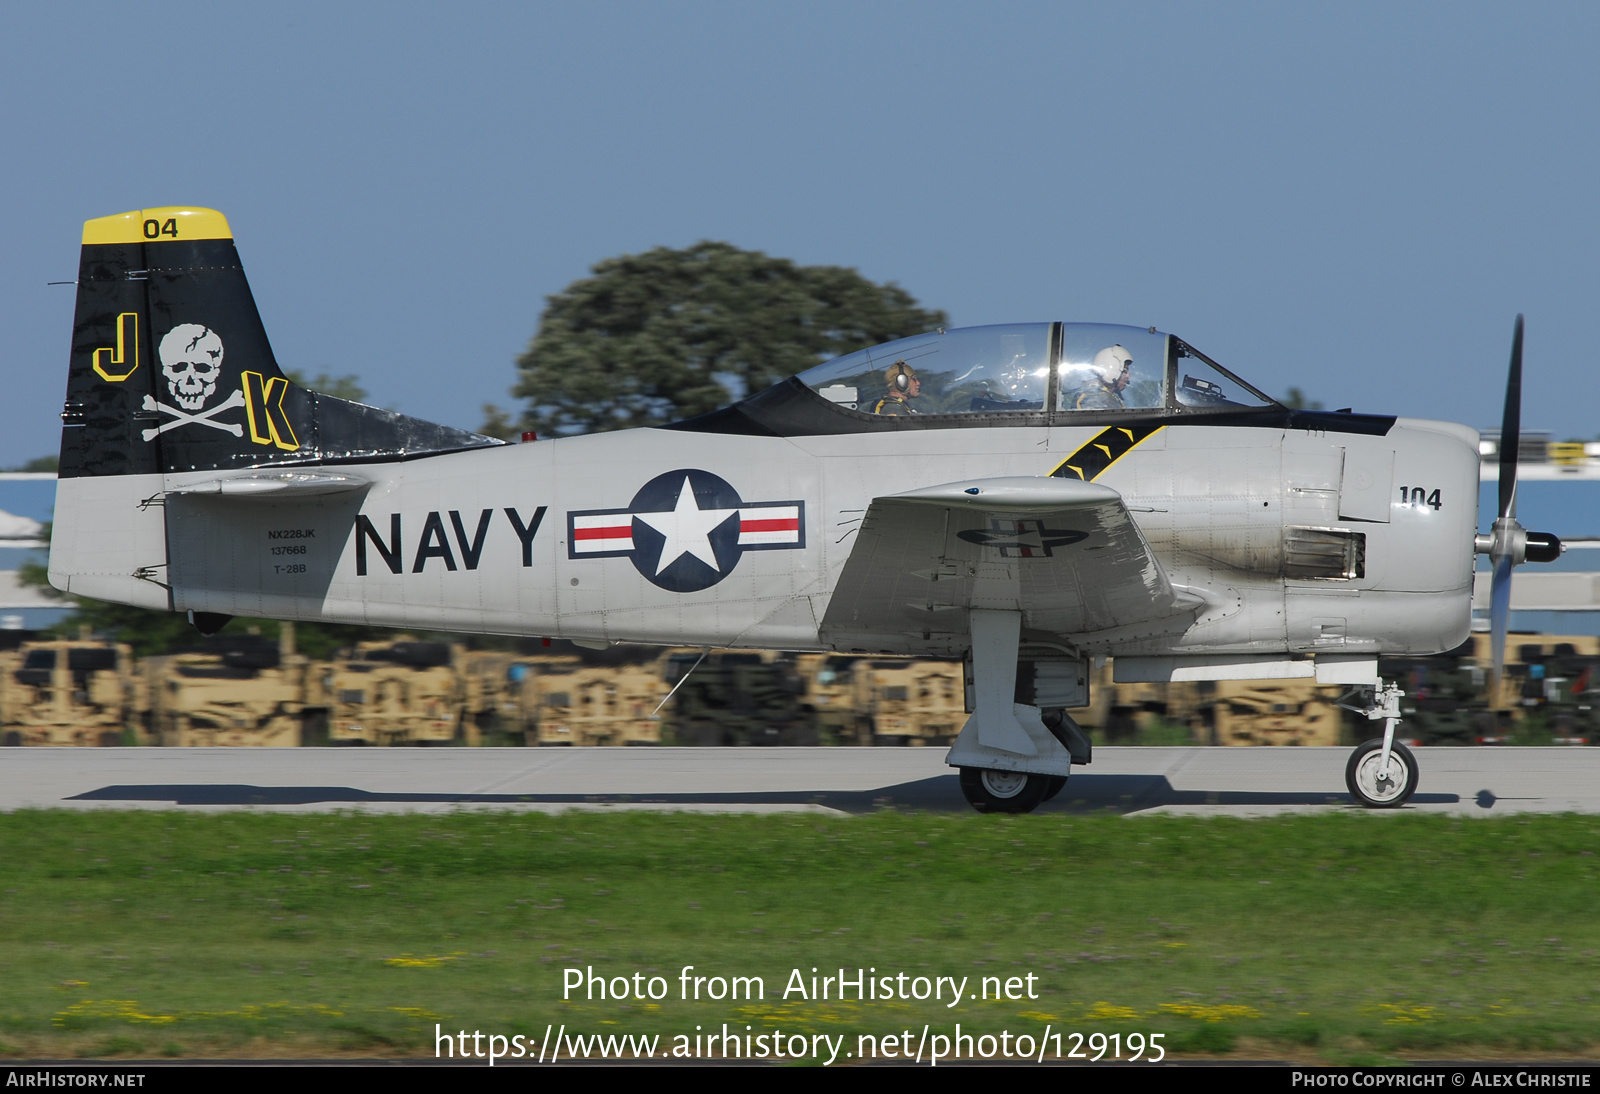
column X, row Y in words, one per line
column 1212, row 501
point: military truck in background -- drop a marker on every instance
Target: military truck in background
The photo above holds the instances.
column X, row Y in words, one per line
column 834, row 706
column 1551, row 688
column 737, row 697
column 493, row 682
column 1446, row 700
column 1551, row 681
column 1571, row 692
column 599, row 704
column 1211, row 712
column 582, row 697
column 911, row 702
column 397, row 693
column 251, row 691
column 238, row 690
column 70, row 692
column 1272, row 712
column 1175, row 713
column 857, row 700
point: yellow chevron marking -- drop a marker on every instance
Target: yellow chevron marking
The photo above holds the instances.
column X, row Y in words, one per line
column 1111, row 457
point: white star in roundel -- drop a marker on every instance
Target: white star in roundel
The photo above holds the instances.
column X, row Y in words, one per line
column 687, row 528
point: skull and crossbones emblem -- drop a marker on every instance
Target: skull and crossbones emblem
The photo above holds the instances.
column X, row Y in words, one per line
column 191, row 362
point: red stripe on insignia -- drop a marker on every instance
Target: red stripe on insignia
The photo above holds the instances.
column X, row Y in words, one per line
column 623, row 531
column 790, row 525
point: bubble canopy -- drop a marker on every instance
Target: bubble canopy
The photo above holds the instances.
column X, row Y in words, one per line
column 1030, row 368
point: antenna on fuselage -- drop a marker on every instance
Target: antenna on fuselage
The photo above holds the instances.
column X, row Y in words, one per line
column 704, row 650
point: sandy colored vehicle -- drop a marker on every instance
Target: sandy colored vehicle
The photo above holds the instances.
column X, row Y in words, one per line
column 831, row 696
column 579, row 704
column 492, row 700
column 911, row 702
column 71, row 692
column 241, row 691
column 397, row 693
column 567, row 696
column 1274, row 712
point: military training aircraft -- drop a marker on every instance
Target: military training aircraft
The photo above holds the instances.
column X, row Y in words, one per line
column 1028, row 496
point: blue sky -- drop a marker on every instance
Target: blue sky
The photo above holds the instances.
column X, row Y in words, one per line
column 1353, row 199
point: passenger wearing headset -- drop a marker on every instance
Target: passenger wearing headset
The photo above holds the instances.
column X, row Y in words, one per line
column 903, row 385
column 1107, row 379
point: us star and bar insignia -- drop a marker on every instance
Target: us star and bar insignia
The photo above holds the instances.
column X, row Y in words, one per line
column 1022, row 538
column 686, row 530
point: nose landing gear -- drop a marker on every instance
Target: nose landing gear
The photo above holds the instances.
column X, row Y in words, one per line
column 1382, row 774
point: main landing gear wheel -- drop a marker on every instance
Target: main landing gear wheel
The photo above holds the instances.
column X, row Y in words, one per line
column 990, row 791
column 1361, row 775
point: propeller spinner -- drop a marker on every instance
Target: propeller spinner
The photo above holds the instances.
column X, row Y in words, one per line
column 1508, row 544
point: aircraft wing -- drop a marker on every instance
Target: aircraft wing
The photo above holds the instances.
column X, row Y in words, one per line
column 1064, row 552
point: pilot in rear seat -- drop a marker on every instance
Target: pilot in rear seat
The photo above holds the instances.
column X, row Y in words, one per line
column 903, row 386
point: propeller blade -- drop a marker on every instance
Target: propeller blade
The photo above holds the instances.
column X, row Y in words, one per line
column 1511, row 428
column 1499, row 620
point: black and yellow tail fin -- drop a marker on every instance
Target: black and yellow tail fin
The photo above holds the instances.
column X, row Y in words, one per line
column 172, row 371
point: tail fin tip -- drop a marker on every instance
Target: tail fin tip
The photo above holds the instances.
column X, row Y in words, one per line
column 171, row 369
column 157, row 225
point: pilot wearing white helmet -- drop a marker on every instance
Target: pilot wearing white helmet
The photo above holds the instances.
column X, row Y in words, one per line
column 1105, row 381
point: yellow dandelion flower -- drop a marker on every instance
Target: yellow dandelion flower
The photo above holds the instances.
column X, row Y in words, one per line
column 1108, row 1012
column 1215, row 1012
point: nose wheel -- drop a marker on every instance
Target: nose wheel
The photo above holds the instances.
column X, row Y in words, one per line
column 1381, row 774
column 1375, row 787
column 990, row 791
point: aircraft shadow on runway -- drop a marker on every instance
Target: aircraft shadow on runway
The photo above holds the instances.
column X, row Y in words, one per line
column 1083, row 794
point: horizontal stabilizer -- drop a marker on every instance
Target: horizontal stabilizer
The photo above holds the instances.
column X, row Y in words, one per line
column 272, row 484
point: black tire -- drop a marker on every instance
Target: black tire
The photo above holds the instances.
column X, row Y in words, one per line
column 1056, row 785
column 1002, row 791
column 1360, row 775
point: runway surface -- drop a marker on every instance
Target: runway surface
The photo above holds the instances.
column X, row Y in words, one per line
column 1202, row 781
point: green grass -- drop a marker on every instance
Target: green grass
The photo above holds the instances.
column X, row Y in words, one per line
column 1333, row 937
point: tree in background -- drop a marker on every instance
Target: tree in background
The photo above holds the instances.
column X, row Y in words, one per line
column 1296, row 400
column 340, row 387
column 497, row 423
column 655, row 337
column 39, row 465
